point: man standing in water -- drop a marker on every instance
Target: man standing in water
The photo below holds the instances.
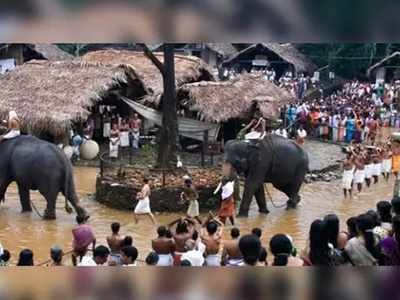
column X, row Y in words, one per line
column 231, row 255
column 387, row 162
column 348, row 174
column 359, row 175
column 211, row 237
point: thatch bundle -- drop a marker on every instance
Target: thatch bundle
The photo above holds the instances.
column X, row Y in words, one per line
column 187, row 68
column 49, row 95
column 220, row 101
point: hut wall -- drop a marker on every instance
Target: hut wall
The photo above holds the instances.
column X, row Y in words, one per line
column 13, row 51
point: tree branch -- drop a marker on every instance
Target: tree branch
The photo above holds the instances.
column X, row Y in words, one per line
column 150, row 55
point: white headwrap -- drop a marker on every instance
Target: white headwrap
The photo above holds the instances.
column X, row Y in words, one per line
column 227, row 190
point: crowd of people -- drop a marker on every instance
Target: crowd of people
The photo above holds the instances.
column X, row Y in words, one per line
column 370, row 239
column 353, row 114
column 121, row 133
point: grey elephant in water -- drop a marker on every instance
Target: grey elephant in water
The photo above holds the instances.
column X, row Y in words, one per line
column 37, row 165
column 275, row 160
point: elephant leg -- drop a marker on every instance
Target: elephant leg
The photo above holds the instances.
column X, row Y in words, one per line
column 261, row 201
column 51, row 199
column 292, row 191
column 250, row 189
column 3, row 188
column 25, row 198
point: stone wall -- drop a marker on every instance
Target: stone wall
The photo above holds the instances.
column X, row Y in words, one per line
column 123, row 196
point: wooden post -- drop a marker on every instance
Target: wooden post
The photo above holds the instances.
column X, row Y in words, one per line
column 101, row 167
column 163, row 177
column 205, row 147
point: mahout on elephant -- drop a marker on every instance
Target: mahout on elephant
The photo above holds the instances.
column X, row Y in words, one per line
column 37, row 165
column 273, row 159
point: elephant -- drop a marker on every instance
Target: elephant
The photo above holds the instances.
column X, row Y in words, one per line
column 35, row 164
column 275, row 160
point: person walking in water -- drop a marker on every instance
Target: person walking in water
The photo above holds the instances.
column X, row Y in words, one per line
column 191, row 195
column 348, row 175
column 143, row 205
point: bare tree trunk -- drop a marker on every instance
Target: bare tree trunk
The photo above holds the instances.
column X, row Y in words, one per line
column 169, row 130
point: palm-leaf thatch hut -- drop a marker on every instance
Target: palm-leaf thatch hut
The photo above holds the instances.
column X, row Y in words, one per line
column 187, row 68
column 49, row 96
column 231, row 102
column 281, row 57
column 386, row 69
column 221, row 101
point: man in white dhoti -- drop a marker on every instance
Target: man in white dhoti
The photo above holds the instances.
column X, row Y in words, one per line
column 359, row 174
column 114, row 142
column 143, row 205
column 348, row 174
column 14, row 129
column 387, row 162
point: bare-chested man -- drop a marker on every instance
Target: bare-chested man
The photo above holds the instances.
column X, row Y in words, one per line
column 183, row 232
column 348, row 175
column 231, row 255
column 377, row 159
column 211, row 237
column 369, row 167
column 115, row 242
column 164, row 247
column 359, row 174
column 387, row 161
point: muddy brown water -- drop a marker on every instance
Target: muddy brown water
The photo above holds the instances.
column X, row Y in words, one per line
column 19, row 231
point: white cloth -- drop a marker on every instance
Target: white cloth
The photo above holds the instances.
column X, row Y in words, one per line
column 106, row 130
column 369, row 169
column 1, row 250
column 387, row 165
column 377, row 169
column 359, row 176
column 114, row 148
column 193, row 209
column 165, row 260
column 234, row 262
column 143, row 206
column 195, row 257
column 227, row 190
column 302, row 133
column 347, row 179
column 13, row 133
column 124, row 137
column 254, row 135
column 87, row 261
column 213, row 260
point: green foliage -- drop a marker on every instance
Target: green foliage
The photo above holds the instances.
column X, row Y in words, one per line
column 345, row 59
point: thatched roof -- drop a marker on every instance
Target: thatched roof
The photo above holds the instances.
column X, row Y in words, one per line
column 49, row 95
column 52, row 52
column 382, row 62
column 226, row 50
column 286, row 52
column 220, row 101
column 187, row 68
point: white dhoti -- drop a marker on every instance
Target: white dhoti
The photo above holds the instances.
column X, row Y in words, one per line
column 359, row 176
column 347, row 179
column 234, row 262
column 13, row 133
column 106, row 130
column 114, row 145
column 193, row 209
column 387, row 165
column 135, row 138
column 369, row 170
column 143, row 206
column 213, row 260
column 124, row 137
column 165, row 260
column 377, row 169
